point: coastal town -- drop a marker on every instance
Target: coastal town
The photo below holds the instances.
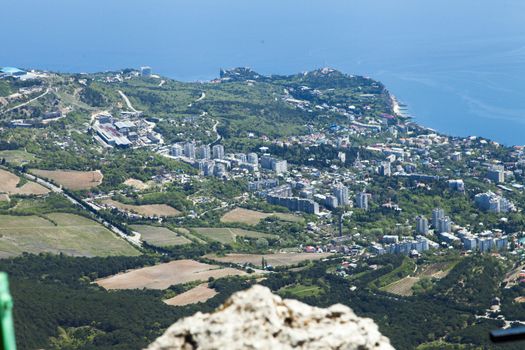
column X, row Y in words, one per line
column 330, row 193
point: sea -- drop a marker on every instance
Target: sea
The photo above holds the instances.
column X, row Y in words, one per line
column 459, row 65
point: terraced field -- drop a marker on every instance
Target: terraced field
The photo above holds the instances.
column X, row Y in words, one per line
column 59, row 233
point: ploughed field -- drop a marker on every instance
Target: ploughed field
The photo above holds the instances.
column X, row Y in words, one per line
column 227, row 235
column 253, row 217
column 164, row 275
column 59, row 233
column 144, row 210
column 198, row 294
column 9, row 184
column 277, row 259
column 71, row 179
column 159, row 236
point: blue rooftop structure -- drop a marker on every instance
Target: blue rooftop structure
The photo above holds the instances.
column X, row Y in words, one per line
column 12, row 71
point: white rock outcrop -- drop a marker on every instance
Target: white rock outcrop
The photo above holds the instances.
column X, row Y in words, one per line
column 258, row 319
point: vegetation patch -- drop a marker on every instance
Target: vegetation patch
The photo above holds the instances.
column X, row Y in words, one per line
column 300, row 291
column 17, row 157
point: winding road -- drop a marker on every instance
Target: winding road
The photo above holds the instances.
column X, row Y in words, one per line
column 128, row 103
column 27, row 102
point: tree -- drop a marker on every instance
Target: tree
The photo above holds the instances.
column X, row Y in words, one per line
column 262, row 243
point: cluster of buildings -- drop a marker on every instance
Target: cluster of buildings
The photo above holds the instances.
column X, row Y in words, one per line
column 486, row 241
column 213, row 161
column 125, row 133
column 283, row 196
column 493, row 203
column 405, row 246
column 301, row 195
column 40, row 121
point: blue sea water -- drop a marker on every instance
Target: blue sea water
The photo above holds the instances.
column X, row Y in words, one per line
column 458, row 64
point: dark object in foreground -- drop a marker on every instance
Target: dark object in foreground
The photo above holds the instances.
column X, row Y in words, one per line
column 509, row 334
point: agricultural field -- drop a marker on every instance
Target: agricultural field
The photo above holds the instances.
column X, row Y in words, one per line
column 164, row 275
column 59, row 233
column 17, row 157
column 198, row 294
column 227, row 235
column 252, row 217
column 9, row 185
column 71, row 179
column 144, row 210
column 277, row 259
column 159, row 236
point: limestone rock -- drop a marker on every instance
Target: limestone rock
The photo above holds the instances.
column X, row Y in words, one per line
column 258, row 319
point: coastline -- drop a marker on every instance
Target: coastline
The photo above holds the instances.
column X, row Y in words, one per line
column 395, row 106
